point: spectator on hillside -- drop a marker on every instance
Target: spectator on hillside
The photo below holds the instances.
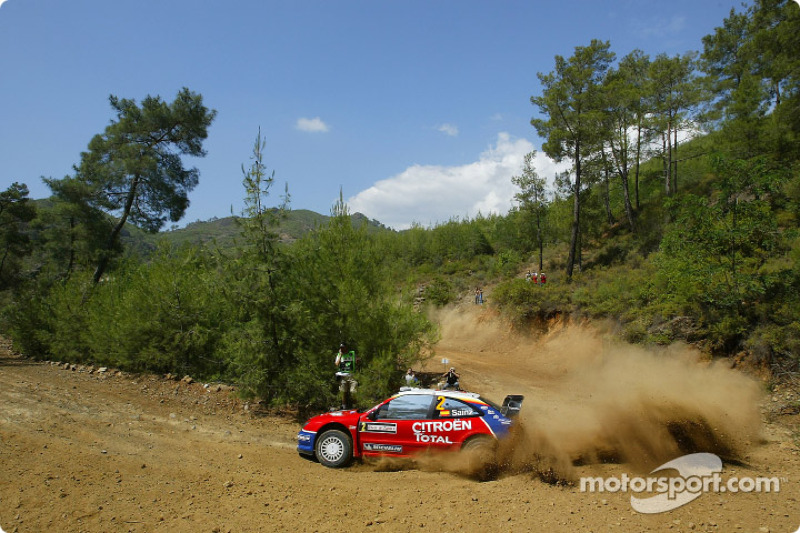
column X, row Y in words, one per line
column 451, row 379
column 411, row 378
column 345, row 361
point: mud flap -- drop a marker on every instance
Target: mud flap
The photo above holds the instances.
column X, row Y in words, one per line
column 512, row 405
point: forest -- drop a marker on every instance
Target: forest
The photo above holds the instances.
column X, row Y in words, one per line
column 677, row 221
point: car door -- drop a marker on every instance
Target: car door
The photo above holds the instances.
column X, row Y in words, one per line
column 453, row 422
column 390, row 428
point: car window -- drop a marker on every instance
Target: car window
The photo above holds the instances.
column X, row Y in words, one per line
column 491, row 404
column 452, row 408
column 406, row 407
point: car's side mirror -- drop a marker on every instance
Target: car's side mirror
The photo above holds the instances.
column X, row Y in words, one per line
column 373, row 415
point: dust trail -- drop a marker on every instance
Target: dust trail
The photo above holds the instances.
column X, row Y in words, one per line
column 637, row 407
column 590, row 399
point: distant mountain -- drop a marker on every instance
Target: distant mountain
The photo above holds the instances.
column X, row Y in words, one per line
column 225, row 232
column 222, row 232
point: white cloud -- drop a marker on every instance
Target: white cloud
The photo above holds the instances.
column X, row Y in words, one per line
column 449, row 129
column 656, row 28
column 429, row 194
column 313, row 125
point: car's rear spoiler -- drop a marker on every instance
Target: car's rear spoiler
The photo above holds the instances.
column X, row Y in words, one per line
column 512, row 405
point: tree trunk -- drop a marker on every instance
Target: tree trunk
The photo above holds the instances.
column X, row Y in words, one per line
column 105, row 257
column 71, row 263
column 638, row 158
column 576, row 214
column 627, row 197
column 675, row 154
column 5, row 255
column 539, row 239
column 607, row 196
column 665, row 158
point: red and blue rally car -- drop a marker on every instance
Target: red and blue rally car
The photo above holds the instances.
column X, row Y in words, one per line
column 407, row 423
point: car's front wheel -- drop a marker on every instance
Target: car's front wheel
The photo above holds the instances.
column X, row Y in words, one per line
column 334, row 449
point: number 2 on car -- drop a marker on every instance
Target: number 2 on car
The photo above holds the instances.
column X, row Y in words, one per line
column 440, row 406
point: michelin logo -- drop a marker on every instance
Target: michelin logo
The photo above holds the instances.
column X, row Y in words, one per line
column 394, row 448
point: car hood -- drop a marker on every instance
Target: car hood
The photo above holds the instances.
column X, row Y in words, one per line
column 343, row 417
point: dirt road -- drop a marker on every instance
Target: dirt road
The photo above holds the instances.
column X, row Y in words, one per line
column 104, row 452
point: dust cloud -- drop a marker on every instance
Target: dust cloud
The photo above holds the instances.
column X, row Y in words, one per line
column 590, row 399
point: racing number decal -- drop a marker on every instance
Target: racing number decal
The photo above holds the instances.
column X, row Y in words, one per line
column 440, row 406
column 378, row 427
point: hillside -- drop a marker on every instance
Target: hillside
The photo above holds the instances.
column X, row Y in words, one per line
column 224, row 232
column 669, row 239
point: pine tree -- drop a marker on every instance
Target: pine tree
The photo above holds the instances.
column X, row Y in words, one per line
column 135, row 166
column 573, row 107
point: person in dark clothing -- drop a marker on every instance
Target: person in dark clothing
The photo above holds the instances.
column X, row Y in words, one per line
column 451, row 379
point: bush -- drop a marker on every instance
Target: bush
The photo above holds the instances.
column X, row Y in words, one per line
column 439, row 292
column 521, row 302
column 28, row 321
column 620, row 291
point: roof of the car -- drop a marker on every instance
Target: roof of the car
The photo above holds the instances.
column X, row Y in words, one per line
column 449, row 393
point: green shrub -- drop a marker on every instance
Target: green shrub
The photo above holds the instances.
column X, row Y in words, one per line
column 439, row 292
column 28, row 320
column 521, row 302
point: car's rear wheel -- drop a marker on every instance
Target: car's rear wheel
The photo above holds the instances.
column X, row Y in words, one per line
column 481, row 453
column 334, row 449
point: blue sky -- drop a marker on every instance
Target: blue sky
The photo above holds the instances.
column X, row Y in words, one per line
column 418, row 111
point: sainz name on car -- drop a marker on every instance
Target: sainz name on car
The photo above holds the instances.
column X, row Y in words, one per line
column 409, row 422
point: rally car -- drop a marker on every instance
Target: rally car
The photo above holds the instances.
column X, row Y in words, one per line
column 411, row 421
